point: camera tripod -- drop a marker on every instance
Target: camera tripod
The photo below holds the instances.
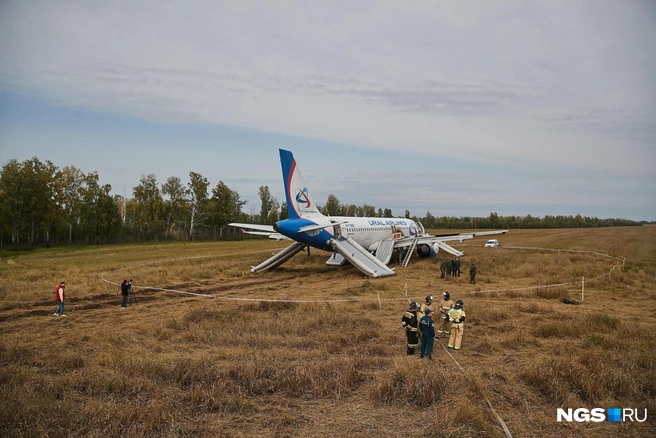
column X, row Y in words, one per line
column 132, row 298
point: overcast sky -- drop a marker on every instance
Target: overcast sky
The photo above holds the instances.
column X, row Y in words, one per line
column 454, row 107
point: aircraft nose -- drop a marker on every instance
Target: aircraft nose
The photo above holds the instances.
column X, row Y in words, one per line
column 276, row 227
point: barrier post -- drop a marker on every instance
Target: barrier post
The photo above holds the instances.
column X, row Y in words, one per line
column 582, row 287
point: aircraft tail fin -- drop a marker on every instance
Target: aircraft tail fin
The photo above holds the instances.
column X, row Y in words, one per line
column 299, row 201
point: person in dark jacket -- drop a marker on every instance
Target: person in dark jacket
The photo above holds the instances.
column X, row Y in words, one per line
column 472, row 274
column 427, row 334
column 410, row 325
column 124, row 292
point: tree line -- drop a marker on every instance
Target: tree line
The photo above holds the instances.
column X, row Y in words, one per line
column 41, row 203
column 528, row 221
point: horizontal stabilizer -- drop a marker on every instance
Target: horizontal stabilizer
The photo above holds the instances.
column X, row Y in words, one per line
column 360, row 258
column 266, row 228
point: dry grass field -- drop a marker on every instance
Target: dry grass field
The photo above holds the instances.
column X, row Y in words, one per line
column 229, row 363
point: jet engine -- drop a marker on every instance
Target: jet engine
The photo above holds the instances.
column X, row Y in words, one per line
column 425, row 251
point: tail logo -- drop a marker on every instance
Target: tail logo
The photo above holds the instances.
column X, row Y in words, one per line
column 303, row 198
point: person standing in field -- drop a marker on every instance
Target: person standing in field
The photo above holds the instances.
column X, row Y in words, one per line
column 442, row 268
column 427, row 334
column 445, row 326
column 449, row 267
column 410, row 324
column 124, row 292
column 472, row 274
column 60, row 295
column 456, row 267
column 424, row 307
column 457, row 318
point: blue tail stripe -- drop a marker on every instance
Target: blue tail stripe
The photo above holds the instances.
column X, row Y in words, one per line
column 288, row 165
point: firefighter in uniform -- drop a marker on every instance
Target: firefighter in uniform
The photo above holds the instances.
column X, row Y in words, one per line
column 410, row 324
column 457, row 318
column 426, row 305
column 427, row 334
column 444, row 328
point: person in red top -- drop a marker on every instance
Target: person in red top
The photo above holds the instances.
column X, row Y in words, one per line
column 59, row 297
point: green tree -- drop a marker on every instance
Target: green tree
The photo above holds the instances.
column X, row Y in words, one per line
column 368, row 210
column 494, row 220
column 70, row 181
column 274, row 213
column 197, row 201
column 28, row 198
column 429, row 220
column 131, row 218
column 11, row 202
column 150, row 207
column 267, row 203
column 332, row 207
column 225, row 206
column 284, row 213
column 174, row 205
column 350, row 210
column 99, row 215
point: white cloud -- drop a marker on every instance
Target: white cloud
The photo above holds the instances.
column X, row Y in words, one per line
column 506, row 82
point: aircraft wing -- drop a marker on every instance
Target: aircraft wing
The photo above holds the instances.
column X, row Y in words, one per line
column 463, row 236
column 438, row 242
column 428, row 240
column 489, row 233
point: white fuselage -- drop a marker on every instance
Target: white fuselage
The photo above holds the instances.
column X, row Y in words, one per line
column 367, row 232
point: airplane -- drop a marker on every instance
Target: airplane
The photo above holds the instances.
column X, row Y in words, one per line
column 366, row 242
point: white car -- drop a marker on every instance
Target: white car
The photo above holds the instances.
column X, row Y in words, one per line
column 492, row 243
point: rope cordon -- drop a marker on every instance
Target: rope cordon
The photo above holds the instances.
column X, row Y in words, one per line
column 378, row 298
